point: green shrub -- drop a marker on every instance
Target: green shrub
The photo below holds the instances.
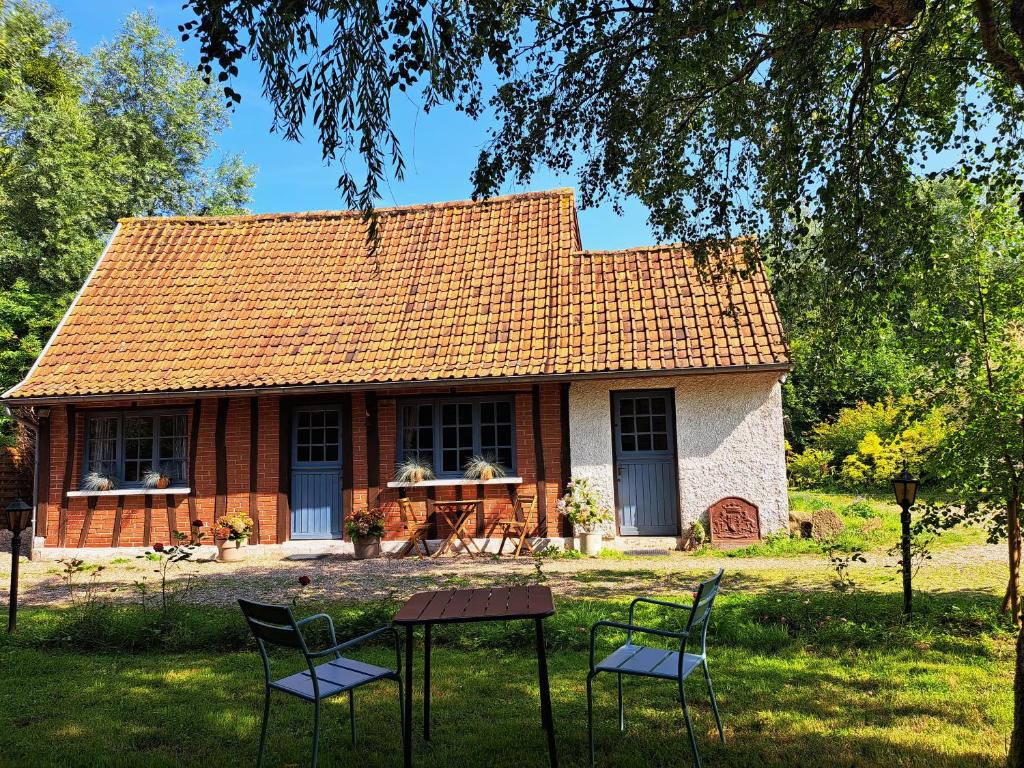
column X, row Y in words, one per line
column 860, row 508
column 809, row 469
column 842, row 435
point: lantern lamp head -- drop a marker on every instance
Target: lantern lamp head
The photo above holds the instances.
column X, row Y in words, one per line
column 905, row 487
column 16, row 516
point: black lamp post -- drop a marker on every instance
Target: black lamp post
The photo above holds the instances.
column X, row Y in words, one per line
column 905, row 488
column 15, row 517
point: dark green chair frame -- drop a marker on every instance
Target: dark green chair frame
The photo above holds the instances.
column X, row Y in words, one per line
column 275, row 625
column 643, row 661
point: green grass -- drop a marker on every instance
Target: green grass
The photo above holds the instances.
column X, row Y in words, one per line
column 804, row 677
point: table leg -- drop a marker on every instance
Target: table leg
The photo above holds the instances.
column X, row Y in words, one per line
column 407, row 725
column 545, row 695
column 446, row 545
column 426, row 682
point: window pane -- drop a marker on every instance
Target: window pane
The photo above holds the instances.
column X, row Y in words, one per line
column 625, row 407
column 660, row 442
column 172, row 450
column 658, row 405
column 332, row 453
column 643, row 405
column 302, row 453
column 101, row 445
column 658, row 423
column 139, row 433
column 504, row 410
column 643, row 442
column 628, row 443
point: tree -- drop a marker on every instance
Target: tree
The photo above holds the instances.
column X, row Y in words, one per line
column 84, row 141
column 721, row 117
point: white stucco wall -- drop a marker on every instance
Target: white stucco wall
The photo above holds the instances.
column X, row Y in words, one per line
column 729, row 438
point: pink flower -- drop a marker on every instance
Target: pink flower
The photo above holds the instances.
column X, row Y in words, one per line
column 158, row 547
column 304, row 580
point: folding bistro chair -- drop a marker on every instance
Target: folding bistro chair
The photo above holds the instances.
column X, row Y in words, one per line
column 643, row 661
column 415, row 531
column 519, row 527
column 275, row 625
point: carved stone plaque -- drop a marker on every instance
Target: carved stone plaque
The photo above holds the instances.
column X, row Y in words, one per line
column 734, row 522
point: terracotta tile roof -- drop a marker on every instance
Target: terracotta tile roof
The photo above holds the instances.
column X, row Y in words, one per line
column 657, row 309
column 497, row 288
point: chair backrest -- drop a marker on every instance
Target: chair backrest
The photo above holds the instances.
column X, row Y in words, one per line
column 274, row 625
column 703, row 600
column 407, row 513
column 525, row 508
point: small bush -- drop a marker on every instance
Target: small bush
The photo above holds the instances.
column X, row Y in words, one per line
column 860, row 508
column 810, row 468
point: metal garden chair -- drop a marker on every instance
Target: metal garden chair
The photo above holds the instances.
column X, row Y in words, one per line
column 643, row 661
column 275, row 625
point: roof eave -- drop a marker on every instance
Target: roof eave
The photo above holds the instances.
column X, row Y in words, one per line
column 302, row 389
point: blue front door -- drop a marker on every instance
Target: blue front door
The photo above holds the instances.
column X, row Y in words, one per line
column 316, row 473
column 646, row 489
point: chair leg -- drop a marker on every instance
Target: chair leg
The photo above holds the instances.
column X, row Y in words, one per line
column 263, row 730
column 714, row 702
column 622, row 712
column 689, row 725
column 504, row 538
column 352, row 714
column 590, row 717
column 316, row 731
column 401, row 707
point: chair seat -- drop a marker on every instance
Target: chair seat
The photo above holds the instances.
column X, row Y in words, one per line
column 648, row 662
column 510, row 523
column 334, row 677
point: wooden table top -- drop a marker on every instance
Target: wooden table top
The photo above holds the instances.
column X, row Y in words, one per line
column 449, row 606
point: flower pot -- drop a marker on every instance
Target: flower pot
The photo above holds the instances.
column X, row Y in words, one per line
column 163, row 482
column 367, row 547
column 487, row 474
column 230, row 550
column 591, row 544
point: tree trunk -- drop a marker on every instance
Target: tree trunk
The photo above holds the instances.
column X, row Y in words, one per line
column 1016, row 759
column 1011, row 601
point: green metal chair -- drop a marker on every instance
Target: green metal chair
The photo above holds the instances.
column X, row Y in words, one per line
column 274, row 625
column 643, row 661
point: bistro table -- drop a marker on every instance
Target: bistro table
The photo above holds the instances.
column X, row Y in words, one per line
column 453, row 606
column 456, row 514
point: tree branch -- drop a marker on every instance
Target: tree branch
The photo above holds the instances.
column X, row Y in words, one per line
column 998, row 55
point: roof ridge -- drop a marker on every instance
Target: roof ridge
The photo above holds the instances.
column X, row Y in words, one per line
column 328, row 214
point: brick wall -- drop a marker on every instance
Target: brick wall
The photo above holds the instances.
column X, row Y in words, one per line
column 166, row 513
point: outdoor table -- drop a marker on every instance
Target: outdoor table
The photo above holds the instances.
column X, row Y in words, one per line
column 452, row 606
column 456, row 514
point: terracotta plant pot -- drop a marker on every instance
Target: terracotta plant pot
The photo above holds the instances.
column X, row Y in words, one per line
column 591, row 544
column 230, row 550
column 487, row 474
column 417, row 476
column 163, row 482
column 366, row 547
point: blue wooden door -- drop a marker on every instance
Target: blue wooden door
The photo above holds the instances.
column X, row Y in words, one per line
column 316, row 473
column 646, row 490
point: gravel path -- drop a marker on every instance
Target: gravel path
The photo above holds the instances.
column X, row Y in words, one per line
column 274, row 576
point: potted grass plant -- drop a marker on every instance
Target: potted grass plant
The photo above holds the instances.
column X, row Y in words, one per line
column 585, row 507
column 98, row 481
column 413, row 469
column 154, row 478
column 366, row 527
column 233, row 532
column 483, row 468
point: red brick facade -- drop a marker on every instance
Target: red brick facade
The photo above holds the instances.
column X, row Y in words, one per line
column 140, row 520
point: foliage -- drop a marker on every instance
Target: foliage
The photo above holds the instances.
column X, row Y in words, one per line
column 84, row 141
column 810, row 468
column 366, row 523
column 234, row 527
column 413, row 469
column 479, row 467
column 860, row 508
column 169, row 558
column 584, row 505
column 698, row 534
column 843, row 435
column 751, row 117
column 840, row 562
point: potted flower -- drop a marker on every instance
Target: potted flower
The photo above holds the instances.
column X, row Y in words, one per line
column 366, row 527
column 98, row 481
column 233, row 533
column 413, row 470
column 483, row 468
column 585, row 507
column 154, row 478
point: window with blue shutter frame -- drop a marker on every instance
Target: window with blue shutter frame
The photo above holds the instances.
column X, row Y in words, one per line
column 446, row 432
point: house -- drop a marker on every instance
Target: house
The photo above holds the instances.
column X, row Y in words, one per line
column 274, row 365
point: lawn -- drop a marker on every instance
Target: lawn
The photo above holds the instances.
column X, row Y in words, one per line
column 803, row 677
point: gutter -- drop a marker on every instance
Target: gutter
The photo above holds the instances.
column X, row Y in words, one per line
column 301, row 389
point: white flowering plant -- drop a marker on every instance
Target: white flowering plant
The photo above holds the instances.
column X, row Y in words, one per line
column 584, row 506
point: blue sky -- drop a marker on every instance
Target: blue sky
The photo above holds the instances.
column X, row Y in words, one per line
column 440, row 148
